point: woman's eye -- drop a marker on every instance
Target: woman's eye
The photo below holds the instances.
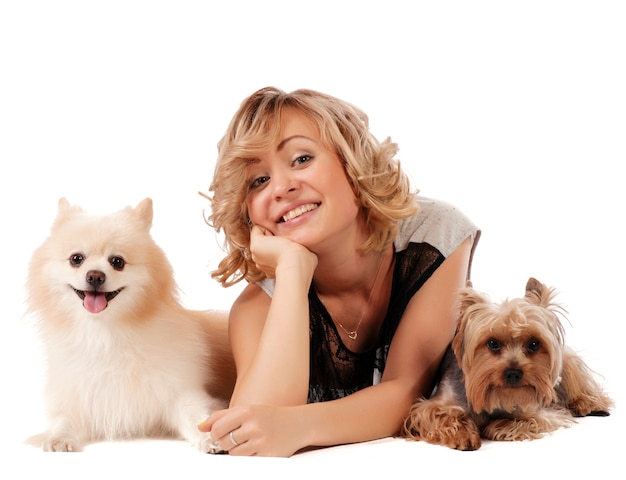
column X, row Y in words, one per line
column 257, row 182
column 302, row 159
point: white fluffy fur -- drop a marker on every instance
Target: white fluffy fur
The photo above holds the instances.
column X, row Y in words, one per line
column 141, row 367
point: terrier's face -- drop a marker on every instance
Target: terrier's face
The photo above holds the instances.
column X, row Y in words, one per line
column 510, row 353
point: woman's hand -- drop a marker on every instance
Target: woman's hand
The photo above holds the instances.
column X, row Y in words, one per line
column 256, row 430
column 269, row 252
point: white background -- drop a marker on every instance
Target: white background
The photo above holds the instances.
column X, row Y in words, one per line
column 513, row 111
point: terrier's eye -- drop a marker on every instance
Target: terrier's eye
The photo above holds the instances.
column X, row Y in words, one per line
column 117, row 262
column 76, row 259
column 533, row 345
column 494, row 345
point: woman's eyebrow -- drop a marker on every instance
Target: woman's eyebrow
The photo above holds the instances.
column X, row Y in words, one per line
column 284, row 141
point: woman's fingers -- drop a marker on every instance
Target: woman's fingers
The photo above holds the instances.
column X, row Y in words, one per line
column 223, row 426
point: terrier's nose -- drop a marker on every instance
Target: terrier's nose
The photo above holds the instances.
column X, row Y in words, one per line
column 512, row 376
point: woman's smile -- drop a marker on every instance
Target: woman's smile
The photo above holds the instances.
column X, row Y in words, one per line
column 298, row 211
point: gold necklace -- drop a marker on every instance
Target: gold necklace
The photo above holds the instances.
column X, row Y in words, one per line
column 353, row 334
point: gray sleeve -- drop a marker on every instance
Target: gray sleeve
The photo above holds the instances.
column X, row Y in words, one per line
column 438, row 224
column 267, row 285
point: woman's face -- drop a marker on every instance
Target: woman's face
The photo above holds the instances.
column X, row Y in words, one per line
column 299, row 189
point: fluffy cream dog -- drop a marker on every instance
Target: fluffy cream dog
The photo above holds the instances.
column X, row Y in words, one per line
column 124, row 358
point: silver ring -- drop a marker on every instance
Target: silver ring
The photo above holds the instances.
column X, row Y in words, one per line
column 232, row 439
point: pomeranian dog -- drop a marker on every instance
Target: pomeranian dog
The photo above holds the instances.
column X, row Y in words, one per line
column 507, row 375
column 124, row 358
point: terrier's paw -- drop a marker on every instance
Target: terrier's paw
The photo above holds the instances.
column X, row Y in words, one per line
column 527, row 428
column 454, row 430
column 444, row 425
column 596, row 406
column 513, row 430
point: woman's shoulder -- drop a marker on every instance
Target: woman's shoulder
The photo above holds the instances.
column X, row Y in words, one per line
column 252, row 294
column 437, row 223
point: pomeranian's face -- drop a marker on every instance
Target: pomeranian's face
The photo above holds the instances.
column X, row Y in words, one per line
column 97, row 265
column 510, row 353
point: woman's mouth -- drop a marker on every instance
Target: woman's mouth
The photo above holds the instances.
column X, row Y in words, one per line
column 296, row 212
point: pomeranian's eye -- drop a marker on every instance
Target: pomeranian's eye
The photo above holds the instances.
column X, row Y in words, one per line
column 494, row 345
column 117, row 263
column 533, row 345
column 76, row 259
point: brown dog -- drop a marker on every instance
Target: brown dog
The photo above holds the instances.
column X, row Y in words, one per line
column 507, row 375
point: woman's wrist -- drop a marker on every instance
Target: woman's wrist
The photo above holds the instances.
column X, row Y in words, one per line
column 297, row 268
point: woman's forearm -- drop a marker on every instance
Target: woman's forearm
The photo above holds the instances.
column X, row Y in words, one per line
column 270, row 379
column 369, row 414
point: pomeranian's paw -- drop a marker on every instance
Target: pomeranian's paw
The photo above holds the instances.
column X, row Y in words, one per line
column 61, row 445
column 201, row 441
column 207, row 445
column 195, row 408
column 50, row 443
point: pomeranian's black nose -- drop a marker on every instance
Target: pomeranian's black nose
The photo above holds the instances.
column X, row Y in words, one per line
column 512, row 375
column 95, row 278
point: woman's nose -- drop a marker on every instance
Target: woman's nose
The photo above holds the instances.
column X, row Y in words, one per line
column 283, row 183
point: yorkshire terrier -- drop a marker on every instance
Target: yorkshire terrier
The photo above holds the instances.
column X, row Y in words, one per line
column 507, row 375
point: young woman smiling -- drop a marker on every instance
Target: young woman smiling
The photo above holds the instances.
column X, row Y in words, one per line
column 352, row 278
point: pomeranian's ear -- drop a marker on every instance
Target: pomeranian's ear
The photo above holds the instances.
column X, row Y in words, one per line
column 64, row 206
column 65, row 210
column 144, row 212
column 538, row 293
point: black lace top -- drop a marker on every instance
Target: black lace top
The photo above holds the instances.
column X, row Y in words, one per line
column 422, row 245
column 336, row 371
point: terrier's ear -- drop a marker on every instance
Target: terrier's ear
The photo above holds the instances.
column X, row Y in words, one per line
column 538, row 293
column 469, row 299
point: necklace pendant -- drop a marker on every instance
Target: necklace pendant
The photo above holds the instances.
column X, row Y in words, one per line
column 352, row 335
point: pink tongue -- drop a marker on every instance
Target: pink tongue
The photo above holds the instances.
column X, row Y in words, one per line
column 95, row 302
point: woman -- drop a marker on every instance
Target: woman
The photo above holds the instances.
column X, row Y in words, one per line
column 353, row 279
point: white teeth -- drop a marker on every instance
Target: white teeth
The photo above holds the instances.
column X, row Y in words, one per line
column 296, row 212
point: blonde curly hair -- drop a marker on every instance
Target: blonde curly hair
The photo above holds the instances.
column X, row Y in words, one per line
column 381, row 187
